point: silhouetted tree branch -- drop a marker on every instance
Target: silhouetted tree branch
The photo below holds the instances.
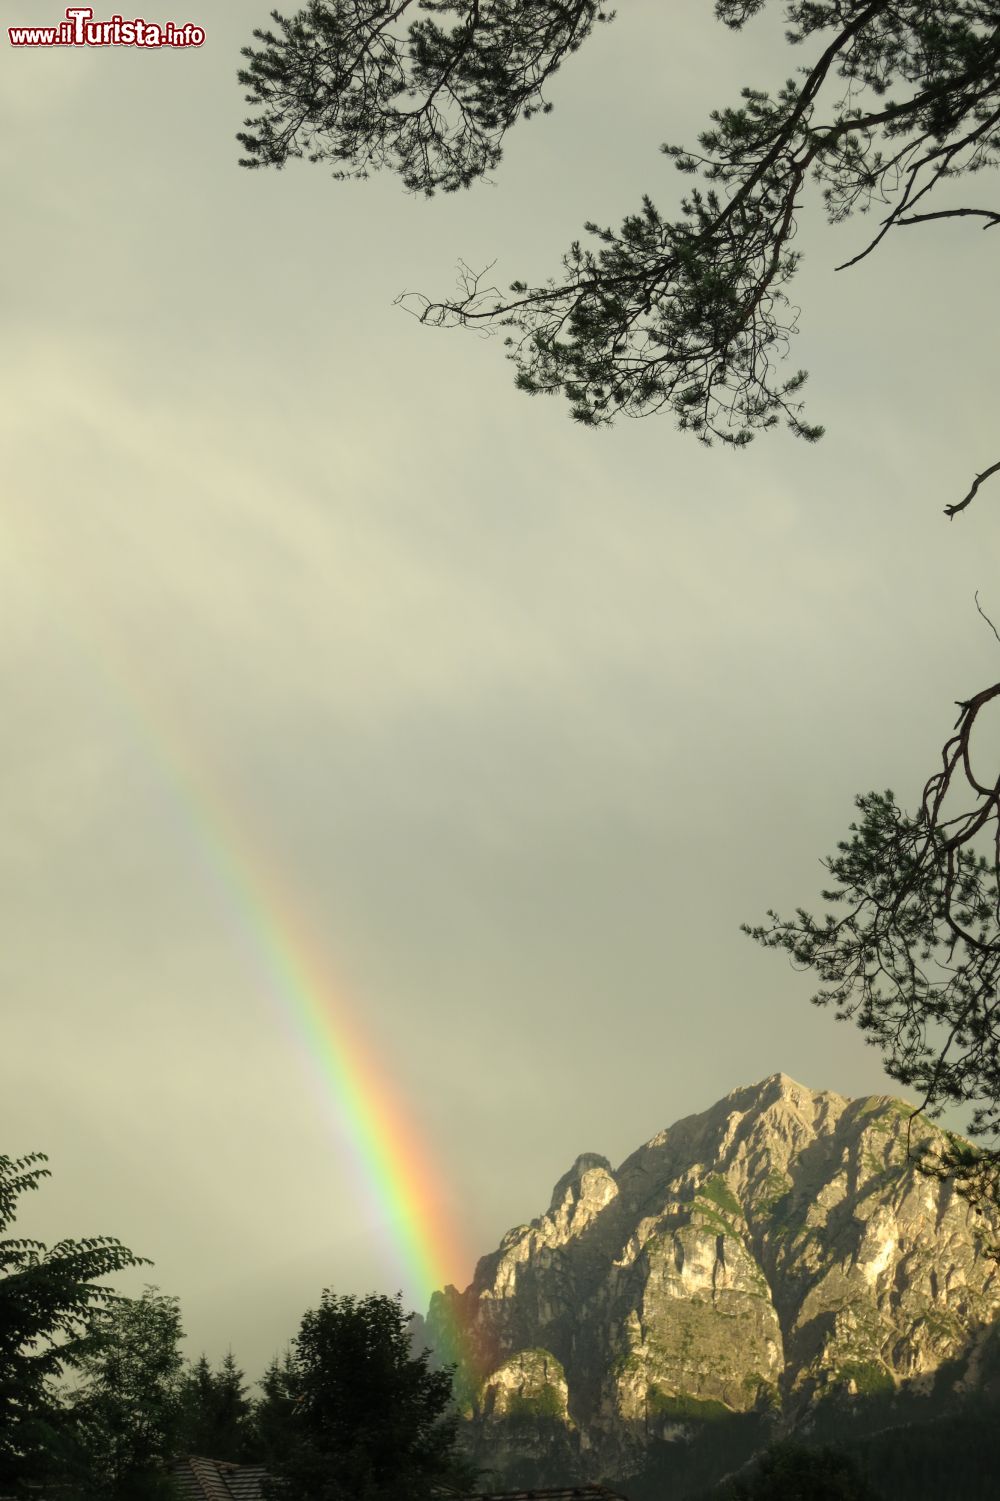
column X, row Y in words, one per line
column 683, row 314
column 689, row 314
column 339, row 82
column 951, row 511
column 915, row 963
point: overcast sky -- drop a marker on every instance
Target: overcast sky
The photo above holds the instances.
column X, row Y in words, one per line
column 523, row 719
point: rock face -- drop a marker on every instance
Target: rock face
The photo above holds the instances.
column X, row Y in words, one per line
column 778, row 1248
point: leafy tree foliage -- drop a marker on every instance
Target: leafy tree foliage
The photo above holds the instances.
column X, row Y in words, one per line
column 365, row 1419
column 216, row 1412
column 48, row 1300
column 788, row 1472
column 127, row 1411
column 958, row 1455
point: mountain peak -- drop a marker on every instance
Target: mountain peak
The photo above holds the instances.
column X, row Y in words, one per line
column 783, row 1082
column 780, row 1086
column 572, row 1181
column 778, row 1247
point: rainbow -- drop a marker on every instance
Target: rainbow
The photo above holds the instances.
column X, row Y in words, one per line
column 392, row 1161
column 381, row 1135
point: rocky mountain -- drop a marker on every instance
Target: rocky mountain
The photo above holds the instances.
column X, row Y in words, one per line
column 742, row 1267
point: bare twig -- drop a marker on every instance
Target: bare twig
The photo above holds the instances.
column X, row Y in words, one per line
column 985, row 616
column 951, row 511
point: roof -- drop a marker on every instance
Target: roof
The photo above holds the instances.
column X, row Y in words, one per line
column 560, row 1493
column 200, row 1479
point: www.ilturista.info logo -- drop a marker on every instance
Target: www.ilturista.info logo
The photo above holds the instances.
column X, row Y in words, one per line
column 80, row 30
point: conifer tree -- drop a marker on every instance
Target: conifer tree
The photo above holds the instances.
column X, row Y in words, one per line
column 272, row 1413
column 197, row 1410
column 216, row 1411
column 233, row 1411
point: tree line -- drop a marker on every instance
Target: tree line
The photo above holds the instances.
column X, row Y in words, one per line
column 97, row 1402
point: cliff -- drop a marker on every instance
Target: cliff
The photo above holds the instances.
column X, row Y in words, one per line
column 777, row 1250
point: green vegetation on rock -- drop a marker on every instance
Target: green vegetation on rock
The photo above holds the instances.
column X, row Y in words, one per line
column 529, row 1388
column 774, row 1196
column 942, row 1325
column 785, row 1215
column 682, row 1407
column 710, row 1219
column 870, row 1377
column 717, row 1189
column 679, row 1347
column 534, row 1407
